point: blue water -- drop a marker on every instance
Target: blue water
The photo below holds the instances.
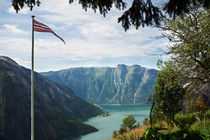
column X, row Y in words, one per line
column 106, row 125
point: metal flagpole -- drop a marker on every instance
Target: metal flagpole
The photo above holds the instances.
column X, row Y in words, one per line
column 32, row 82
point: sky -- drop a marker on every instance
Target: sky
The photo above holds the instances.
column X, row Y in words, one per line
column 91, row 39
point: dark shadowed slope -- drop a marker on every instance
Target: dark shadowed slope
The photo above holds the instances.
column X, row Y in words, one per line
column 58, row 112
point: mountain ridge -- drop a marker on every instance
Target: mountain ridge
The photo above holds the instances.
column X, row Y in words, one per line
column 58, row 111
column 108, row 85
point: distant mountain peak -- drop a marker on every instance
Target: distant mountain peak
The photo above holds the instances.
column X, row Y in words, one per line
column 138, row 66
column 108, row 85
column 121, row 65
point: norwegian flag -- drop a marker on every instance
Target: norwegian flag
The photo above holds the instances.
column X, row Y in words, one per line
column 40, row 27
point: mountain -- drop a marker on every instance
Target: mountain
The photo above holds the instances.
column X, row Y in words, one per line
column 58, row 111
column 106, row 85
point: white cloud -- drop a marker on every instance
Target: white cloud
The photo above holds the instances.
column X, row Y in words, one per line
column 13, row 29
column 22, row 62
column 17, row 46
column 11, row 10
column 64, row 13
column 133, row 31
column 91, row 39
column 99, row 29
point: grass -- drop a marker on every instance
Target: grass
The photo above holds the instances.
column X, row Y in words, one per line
column 198, row 124
column 137, row 131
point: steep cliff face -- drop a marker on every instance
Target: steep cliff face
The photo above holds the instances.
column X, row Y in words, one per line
column 106, row 85
column 58, row 111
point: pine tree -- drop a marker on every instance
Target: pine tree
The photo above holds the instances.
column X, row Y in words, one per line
column 141, row 13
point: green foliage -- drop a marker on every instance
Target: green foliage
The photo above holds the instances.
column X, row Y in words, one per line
column 146, row 121
column 114, row 134
column 138, row 15
column 207, row 114
column 184, row 121
column 189, row 67
column 168, row 91
column 191, row 128
column 154, row 133
column 203, row 128
column 141, row 12
column 185, row 135
column 190, row 48
column 119, row 137
column 129, row 122
column 122, row 130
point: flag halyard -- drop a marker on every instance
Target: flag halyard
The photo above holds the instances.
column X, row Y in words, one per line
column 40, row 27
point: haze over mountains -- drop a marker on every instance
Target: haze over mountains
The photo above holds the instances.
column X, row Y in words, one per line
column 108, row 85
column 58, row 111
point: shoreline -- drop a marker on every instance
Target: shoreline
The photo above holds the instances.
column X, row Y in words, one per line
column 120, row 104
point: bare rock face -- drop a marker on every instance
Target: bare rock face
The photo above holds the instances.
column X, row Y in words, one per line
column 108, row 85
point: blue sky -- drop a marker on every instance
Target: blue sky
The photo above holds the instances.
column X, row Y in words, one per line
column 91, row 39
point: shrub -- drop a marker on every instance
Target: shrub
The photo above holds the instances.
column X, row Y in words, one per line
column 184, row 121
column 146, row 121
column 152, row 133
column 120, row 138
column 207, row 114
column 203, row 128
column 114, row 134
column 122, row 130
column 185, row 135
column 131, row 137
column 129, row 122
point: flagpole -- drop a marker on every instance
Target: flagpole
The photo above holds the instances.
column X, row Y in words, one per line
column 32, row 82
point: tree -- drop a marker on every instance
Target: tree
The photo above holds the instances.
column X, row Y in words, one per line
column 145, row 121
column 168, row 91
column 190, row 47
column 114, row 134
column 189, row 65
column 141, row 13
column 129, row 122
column 122, row 130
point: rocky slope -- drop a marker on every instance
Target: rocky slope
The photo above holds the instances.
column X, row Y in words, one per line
column 106, row 85
column 58, row 112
